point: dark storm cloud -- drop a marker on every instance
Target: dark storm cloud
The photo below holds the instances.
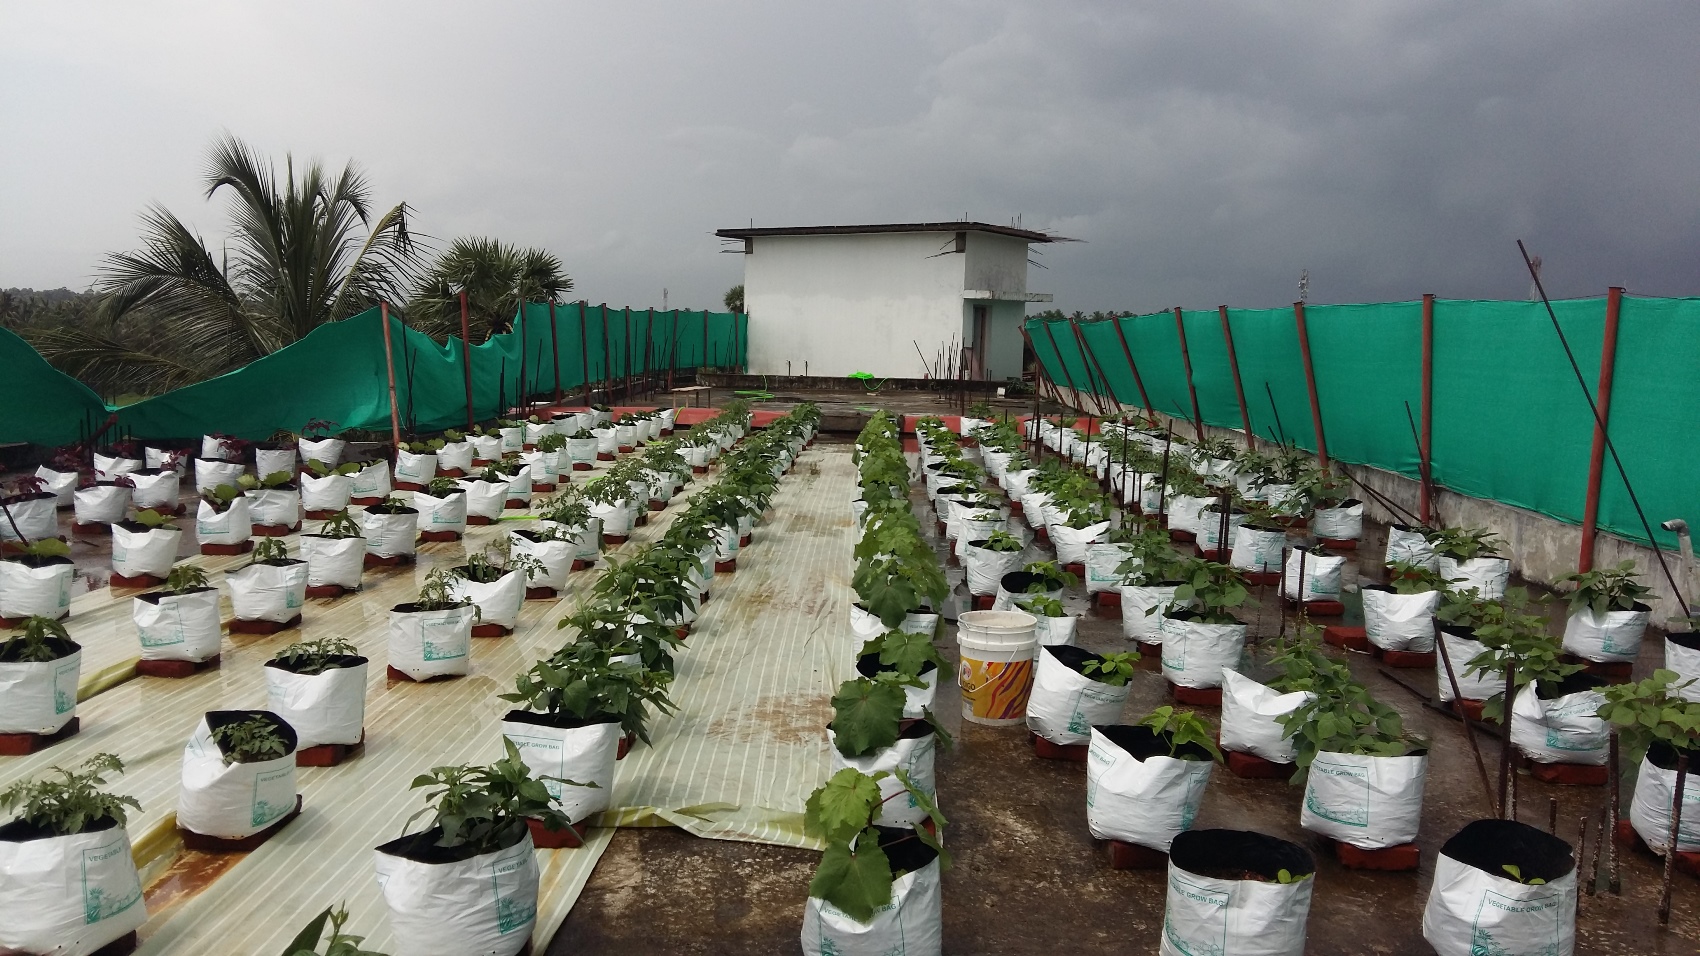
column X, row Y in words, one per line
column 1206, row 151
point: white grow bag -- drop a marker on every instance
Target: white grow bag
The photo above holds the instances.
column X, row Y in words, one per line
column 498, row 601
column 1370, row 802
column 519, row 486
column 230, row 526
column 233, row 800
column 583, row 451
column 1050, row 631
column 1564, row 729
column 69, row 895
column 1655, row 791
column 556, row 556
column 178, row 627
column 43, row 591
column 333, row 561
column 157, row 491
column 60, row 484
column 1400, row 622
column 39, row 697
column 425, row 644
column 533, row 432
column 1251, row 717
column 1409, row 546
column 513, row 438
column 1339, row 524
column 212, row 447
column 415, row 469
column 1065, row 704
column 324, row 708
column 605, row 441
column 274, row 506
column 156, row 458
column 269, row 461
column 616, row 519
column 486, row 904
column 330, row 493
column 1203, row 914
column 1209, row 532
column 912, row 924
column 1613, row 636
column 455, row 455
column 265, row 592
column 1474, row 912
column 1144, row 802
column 1461, row 650
column 440, row 514
column 913, row 754
column 1184, row 511
column 1143, row 609
column 372, row 481
column 1487, row 576
column 390, row 535
column 1321, row 577
column 101, row 504
column 1256, row 549
column 1195, row 653
column 585, row 754
column 486, row 499
column 326, row 451
column 865, row 626
column 36, row 518
column 1072, row 543
column 984, row 568
column 139, row 553
column 210, row 473
column 106, row 468
column 1685, row 661
column 1102, row 561
column 486, row 447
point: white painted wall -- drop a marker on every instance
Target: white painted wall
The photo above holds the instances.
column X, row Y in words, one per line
column 852, row 303
column 836, row 304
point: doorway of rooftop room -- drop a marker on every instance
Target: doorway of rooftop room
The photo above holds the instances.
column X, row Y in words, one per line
column 977, row 345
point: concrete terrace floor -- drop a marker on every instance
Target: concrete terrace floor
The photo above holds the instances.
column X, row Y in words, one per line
column 1029, row 879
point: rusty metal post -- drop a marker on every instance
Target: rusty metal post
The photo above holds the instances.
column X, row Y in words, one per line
column 1310, row 383
column 1098, row 377
column 1133, row 367
column 1078, row 404
column 1597, row 454
column 389, row 364
column 1186, row 362
column 1234, row 366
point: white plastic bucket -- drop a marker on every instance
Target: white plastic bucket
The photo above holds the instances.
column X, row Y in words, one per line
column 996, row 668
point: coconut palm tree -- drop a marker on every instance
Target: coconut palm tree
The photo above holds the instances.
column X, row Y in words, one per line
column 496, row 278
column 301, row 252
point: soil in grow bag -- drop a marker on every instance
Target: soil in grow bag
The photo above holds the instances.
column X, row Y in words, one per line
column 223, row 718
column 1241, row 855
column 23, row 831
column 1073, row 658
column 422, row 847
column 1142, row 743
column 1488, row 845
column 904, row 850
column 869, row 664
column 331, row 663
column 60, row 647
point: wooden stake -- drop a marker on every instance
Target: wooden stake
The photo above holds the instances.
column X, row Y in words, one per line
column 1675, row 832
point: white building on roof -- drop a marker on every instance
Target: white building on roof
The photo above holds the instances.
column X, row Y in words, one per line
column 903, row 300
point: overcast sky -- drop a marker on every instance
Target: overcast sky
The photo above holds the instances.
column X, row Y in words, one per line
column 1205, row 151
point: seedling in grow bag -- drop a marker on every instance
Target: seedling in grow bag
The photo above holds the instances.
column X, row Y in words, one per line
column 1516, row 872
column 71, row 802
column 1653, row 710
column 277, row 479
column 1606, row 589
column 1408, row 578
column 427, row 447
column 1180, row 728
column 904, row 653
column 322, row 470
column 341, row 525
column 47, row 548
column 581, row 681
column 1315, row 487
column 40, row 639
column 1214, row 588
column 314, row 657
column 437, row 593
column 1002, row 541
column 1152, row 559
column 1113, row 669
column 441, row 487
column 855, row 874
column 250, row 741
column 551, row 442
column 484, row 809
column 306, row 942
column 868, row 713
column 391, row 505
column 1515, row 639
column 1042, row 606
column 1048, row 577
column 1343, row 717
column 1462, row 544
column 618, row 631
column 220, row 497
column 271, row 551
column 564, row 509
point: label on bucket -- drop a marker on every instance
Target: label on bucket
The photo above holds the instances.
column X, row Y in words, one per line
column 994, row 690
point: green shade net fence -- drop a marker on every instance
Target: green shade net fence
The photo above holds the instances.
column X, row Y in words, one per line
column 1509, row 422
column 338, row 373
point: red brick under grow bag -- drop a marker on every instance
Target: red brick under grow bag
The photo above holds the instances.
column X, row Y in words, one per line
column 1076, row 568
column 320, row 514
column 1108, row 599
column 1468, row 709
column 393, row 561
column 1350, row 638
column 409, row 486
column 1132, row 856
column 327, row 755
column 984, row 602
column 14, row 547
column 430, row 536
column 726, row 567
column 1150, row 656
column 202, row 843
column 1615, row 672
column 274, row 530
column 1626, row 836
column 1407, row 659
column 1392, row 859
column 1339, row 544
column 656, row 504
column 394, row 674
column 1320, row 608
column 744, row 540
column 326, row 591
column 1194, row 696
column 539, row 594
column 228, row 550
column 491, row 630
column 176, row 669
column 580, row 564
column 613, row 538
column 1219, row 555
column 80, row 530
column 1252, row 767
column 1047, row 750
column 480, row 519
column 569, row 838
column 450, row 473
column 122, row 946
column 239, row 626
column 1258, row 579
column 1182, row 537
column 625, row 746
column 1566, row 774
column 368, row 501
column 20, row 745
column 511, row 505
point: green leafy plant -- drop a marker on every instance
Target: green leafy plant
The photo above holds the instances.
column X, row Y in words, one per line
column 67, row 801
column 582, row 681
column 1286, row 877
column 185, row 578
column 270, row 551
column 220, row 497
column 1653, row 710
column 484, row 808
column 1516, row 872
column 1214, row 589
column 1152, row 559
column 47, row 548
column 1606, row 589
column 867, row 714
column 306, row 942
column 1040, row 605
column 429, row 446
column 1341, row 717
column 391, row 505
column 252, row 740
column 554, row 441
column 1113, row 669
column 1003, row 542
column 438, row 592
column 1463, row 544
column 905, row 652
column 314, row 657
column 40, row 639
column 1048, row 577
column 1408, row 578
column 341, row 525
column 277, row 479
column 322, row 470
column 1316, row 487
column 1516, row 637
column 442, row 486
column 1179, row 728
column 855, row 874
